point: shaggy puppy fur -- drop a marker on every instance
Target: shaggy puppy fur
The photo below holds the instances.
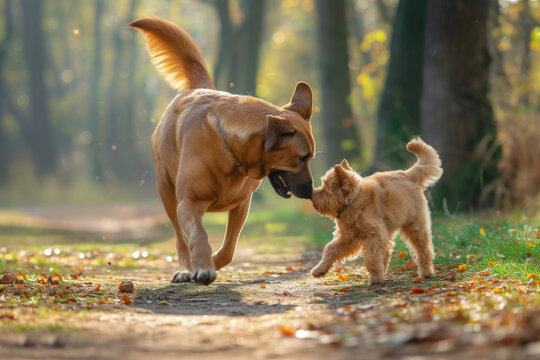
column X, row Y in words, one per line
column 369, row 211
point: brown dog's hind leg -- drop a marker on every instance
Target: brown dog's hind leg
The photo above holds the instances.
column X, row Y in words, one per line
column 190, row 215
column 235, row 223
column 168, row 197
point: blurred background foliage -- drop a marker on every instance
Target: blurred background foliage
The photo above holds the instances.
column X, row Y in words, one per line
column 79, row 98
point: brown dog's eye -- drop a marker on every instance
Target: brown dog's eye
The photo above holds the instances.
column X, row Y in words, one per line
column 304, row 158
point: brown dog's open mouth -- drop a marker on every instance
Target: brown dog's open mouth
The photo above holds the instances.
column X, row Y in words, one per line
column 277, row 179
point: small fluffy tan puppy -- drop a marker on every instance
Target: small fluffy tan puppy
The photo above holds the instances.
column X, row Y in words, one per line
column 369, row 211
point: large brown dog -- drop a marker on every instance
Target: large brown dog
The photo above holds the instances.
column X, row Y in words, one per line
column 212, row 149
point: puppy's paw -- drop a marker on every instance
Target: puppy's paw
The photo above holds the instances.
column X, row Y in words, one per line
column 374, row 280
column 426, row 273
column 318, row 271
column 181, row 277
column 204, row 276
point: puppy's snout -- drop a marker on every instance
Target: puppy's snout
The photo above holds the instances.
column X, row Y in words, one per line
column 304, row 191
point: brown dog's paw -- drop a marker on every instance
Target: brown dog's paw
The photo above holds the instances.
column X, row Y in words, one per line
column 181, row 277
column 318, row 272
column 204, row 276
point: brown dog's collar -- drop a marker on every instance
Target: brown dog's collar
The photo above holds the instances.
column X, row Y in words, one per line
column 237, row 162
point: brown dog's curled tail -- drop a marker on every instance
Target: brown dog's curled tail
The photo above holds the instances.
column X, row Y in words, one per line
column 427, row 169
column 174, row 54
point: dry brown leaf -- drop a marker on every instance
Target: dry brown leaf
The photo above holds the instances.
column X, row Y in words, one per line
column 8, row 278
column 410, row 264
column 286, row 330
column 126, row 286
column 417, row 290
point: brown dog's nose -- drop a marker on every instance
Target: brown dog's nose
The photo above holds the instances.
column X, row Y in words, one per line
column 304, row 191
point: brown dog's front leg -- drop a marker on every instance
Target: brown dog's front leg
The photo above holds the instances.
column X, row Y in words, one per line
column 190, row 218
column 235, row 223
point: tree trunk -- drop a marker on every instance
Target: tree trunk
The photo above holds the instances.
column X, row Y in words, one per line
column 94, row 102
column 238, row 55
column 339, row 128
column 4, row 46
column 527, row 24
column 250, row 32
column 399, row 108
column 226, row 44
column 457, row 118
column 41, row 141
column 120, row 145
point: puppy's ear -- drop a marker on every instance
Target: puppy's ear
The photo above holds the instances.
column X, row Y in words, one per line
column 276, row 128
column 340, row 173
column 301, row 101
column 345, row 164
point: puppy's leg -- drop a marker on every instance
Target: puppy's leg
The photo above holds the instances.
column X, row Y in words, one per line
column 168, row 197
column 190, row 215
column 388, row 255
column 376, row 256
column 418, row 236
column 235, row 223
column 335, row 250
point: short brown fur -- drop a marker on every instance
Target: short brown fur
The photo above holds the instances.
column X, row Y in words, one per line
column 212, row 149
column 368, row 212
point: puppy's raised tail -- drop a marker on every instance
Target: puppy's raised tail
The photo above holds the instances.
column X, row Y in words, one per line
column 174, row 54
column 427, row 169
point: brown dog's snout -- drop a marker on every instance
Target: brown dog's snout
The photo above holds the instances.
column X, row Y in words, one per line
column 304, row 191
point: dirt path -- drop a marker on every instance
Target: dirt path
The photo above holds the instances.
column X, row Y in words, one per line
column 265, row 306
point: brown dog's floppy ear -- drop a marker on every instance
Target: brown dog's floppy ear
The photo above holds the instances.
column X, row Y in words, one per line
column 345, row 164
column 301, row 101
column 276, row 127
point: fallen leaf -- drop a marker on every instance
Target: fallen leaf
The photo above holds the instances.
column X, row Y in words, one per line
column 162, row 302
column 494, row 281
column 417, row 290
column 20, row 276
column 126, row 299
column 8, row 279
column 496, row 290
column 326, row 283
column 345, row 289
column 286, row 330
column 417, row 280
column 104, row 238
column 402, row 255
column 300, row 263
column 491, row 263
column 482, row 232
column 263, row 286
column 56, row 277
column 288, row 268
column 462, row 268
column 342, row 277
column 402, row 268
column 436, row 267
column 75, row 276
column 97, row 287
column 484, row 273
column 126, row 286
column 531, row 276
column 451, row 293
